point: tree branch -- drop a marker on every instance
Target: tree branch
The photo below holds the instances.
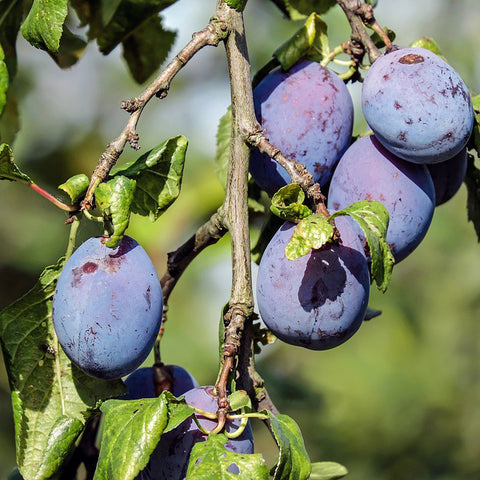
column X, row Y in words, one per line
column 212, row 34
column 360, row 14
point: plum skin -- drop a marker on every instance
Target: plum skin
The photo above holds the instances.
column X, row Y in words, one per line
column 448, row 176
column 306, row 112
column 317, row 301
column 367, row 171
column 169, row 461
column 417, row 105
column 107, row 307
column 140, row 382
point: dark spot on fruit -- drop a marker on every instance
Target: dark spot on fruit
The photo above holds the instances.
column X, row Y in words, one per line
column 402, row 136
column 89, row 267
column 386, row 77
column 319, row 168
column 409, row 121
column 397, row 105
column 411, row 59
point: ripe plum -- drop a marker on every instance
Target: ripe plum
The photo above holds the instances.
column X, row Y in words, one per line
column 448, row 176
column 169, row 461
column 368, row 171
column 140, row 383
column 317, row 301
column 307, row 112
column 417, row 105
column 107, row 307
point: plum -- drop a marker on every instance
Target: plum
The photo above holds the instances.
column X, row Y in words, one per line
column 107, row 307
column 307, row 112
column 317, row 301
column 367, row 171
column 140, row 383
column 448, row 176
column 169, row 461
column 417, row 105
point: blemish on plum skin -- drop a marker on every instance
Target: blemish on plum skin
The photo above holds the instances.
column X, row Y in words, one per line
column 411, row 59
column 89, row 267
column 397, row 105
column 148, row 298
column 402, row 136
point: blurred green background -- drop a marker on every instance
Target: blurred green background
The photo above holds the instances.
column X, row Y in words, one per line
column 401, row 399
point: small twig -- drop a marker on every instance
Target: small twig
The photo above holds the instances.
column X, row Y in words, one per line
column 297, row 171
column 360, row 14
column 212, row 34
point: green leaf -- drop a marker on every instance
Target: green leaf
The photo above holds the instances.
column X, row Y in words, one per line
column 309, row 41
column 476, row 123
column 43, row 26
column 11, row 15
column 327, row 471
column 373, row 218
column 8, row 170
column 311, row 232
column 51, row 398
column 210, row 460
column 10, row 119
column 3, row 81
column 430, row 44
column 293, row 460
column 472, row 181
column 158, row 174
column 75, row 187
column 287, row 203
column 238, row 5
column 299, row 9
column 135, row 426
column 129, row 15
column 178, row 411
column 114, row 198
column 222, row 155
column 71, row 49
column 147, row 48
column 239, row 400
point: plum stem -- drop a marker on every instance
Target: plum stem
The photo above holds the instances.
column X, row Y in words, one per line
column 239, row 430
column 72, row 237
column 211, row 35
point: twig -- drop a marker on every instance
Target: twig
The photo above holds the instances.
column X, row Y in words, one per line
column 235, row 209
column 359, row 14
column 297, row 171
column 212, row 34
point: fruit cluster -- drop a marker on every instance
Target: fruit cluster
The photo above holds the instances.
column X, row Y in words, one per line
column 421, row 115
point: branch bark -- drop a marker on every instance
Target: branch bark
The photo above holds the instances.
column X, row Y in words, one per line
column 212, row 34
column 359, row 14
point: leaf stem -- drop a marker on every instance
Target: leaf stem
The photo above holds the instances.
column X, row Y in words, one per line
column 52, row 199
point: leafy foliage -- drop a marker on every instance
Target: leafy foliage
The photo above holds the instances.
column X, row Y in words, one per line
column 75, row 187
column 158, row 176
column 293, row 460
column 52, row 399
column 310, row 41
column 43, row 26
column 373, row 218
column 311, row 232
column 222, row 154
column 287, row 203
column 135, row 426
column 210, row 459
column 327, row 471
column 8, row 169
column 3, row 80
